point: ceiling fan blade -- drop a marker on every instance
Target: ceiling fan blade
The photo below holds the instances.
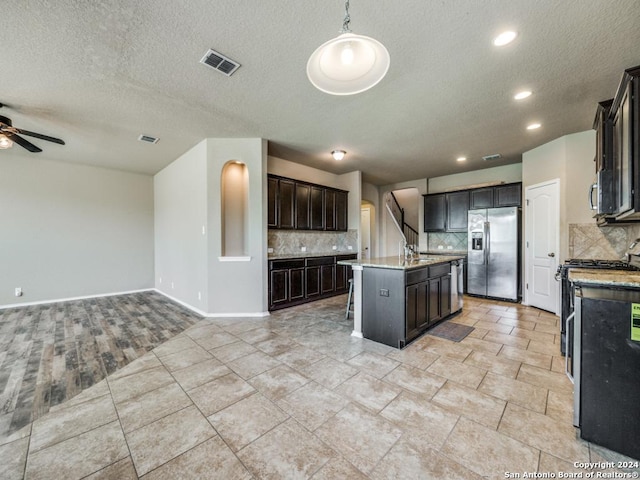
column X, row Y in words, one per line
column 40, row 136
column 22, row 142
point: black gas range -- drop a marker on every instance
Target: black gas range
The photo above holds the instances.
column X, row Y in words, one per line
column 562, row 275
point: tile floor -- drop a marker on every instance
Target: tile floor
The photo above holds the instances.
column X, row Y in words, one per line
column 294, row 396
column 50, row 353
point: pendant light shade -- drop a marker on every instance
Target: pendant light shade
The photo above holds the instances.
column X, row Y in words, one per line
column 349, row 63
column 5, row 142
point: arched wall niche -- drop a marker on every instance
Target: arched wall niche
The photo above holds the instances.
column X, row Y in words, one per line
column 234, row 194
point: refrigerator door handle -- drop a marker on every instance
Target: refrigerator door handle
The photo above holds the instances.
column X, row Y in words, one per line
column 487, row 242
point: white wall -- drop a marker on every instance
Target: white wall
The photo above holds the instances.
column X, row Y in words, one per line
column 506, row 173
column 238, row 287
column 71, row 230
column 570, row 159
column 180, row 192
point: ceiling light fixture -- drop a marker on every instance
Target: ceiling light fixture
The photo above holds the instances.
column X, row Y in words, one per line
column 533, row 126
column 504, row 38
column 522, row 95
column 5, row 142
column 349, row 63
column 461, row 159
column 338, row 154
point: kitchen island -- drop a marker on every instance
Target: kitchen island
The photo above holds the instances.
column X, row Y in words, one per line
column 396, row 300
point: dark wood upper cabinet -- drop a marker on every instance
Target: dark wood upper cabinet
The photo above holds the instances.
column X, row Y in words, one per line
column 342, row 211
column 303, row 206
column 286, row 203
column 330, row 210
column 317, row 208
column 481, row 198
column 300, row 205
column 435, row 213
column 509, row 195
column 272, row 202
column 457, row 209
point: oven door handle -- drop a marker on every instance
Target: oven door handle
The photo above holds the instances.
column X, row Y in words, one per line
column 568, row 335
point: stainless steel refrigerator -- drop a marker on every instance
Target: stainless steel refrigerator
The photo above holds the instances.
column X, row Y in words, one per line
column 493, row 264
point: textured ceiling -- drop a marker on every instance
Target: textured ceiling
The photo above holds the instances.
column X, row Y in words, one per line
column 99, row 74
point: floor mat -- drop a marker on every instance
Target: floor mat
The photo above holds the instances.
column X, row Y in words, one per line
column 451, row 331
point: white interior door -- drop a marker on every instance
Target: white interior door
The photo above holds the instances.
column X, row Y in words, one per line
column 542, row 244
column 365, row 232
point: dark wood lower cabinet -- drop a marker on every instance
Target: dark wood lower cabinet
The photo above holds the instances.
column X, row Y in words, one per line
column 296, row 281
column 394, row 320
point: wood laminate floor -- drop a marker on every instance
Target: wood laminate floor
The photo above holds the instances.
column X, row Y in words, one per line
column 50, row 353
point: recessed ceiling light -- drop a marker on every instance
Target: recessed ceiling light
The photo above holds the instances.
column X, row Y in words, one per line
column 533, row 126
column 338, row 154
column 504, row 38
column 461, row 159
column 522, row 95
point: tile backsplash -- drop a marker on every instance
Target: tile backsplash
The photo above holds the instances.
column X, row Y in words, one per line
column 285, row 242
column 606, row 243
column 457, row 241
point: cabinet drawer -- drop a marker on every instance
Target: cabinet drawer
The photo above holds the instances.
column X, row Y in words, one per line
column 439, row 270
column 312, row 262
column 282, row 264
column 416, row 276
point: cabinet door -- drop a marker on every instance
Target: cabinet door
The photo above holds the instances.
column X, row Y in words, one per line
column 481, row 198
column 445, row 296
column 434, row 300
column 329, row 210
column 317, row 208
column 342, row 207
column 411, row 310
column 312, row 280
column 272, row 201
column 303, row 213
column 341, row 278
column 327, row 273
column 296, row 284
column 508, row 195
column 286, row 202
column 435, row 213
column 422, row 309
column 457, row 209
column 279, row 280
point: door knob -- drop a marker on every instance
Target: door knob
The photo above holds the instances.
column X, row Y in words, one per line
column 551, row 254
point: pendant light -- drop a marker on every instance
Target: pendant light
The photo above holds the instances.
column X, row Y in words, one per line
column 349, row 63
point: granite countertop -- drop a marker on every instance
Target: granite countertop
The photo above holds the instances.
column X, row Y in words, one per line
column 399, row 264
column 607, row 278
column 273, row 256
column 443, row 251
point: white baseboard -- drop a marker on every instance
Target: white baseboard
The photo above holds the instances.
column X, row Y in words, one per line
column 69, row 299
column 212, row 315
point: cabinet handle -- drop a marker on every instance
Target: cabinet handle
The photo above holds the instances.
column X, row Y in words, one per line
column 593, row 187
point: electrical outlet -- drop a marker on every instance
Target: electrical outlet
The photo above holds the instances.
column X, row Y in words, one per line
column 160, row 280
column 334, row 248
column 384, row 292
column 304, row 249
column 349, row 247
column 18, row 292
column 199, row 295
column 269, row 250
column 171, row 285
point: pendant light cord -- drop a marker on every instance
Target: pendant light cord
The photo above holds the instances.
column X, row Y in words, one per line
column 347, row 19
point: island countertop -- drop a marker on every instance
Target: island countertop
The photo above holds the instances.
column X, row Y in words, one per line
column 399, row 263
column 605, row 278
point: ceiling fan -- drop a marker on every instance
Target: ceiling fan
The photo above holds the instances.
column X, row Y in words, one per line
column 9, row 136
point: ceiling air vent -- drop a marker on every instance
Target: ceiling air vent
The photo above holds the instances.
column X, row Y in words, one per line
column 148, row 139
column 495, row 156
column 220, row 63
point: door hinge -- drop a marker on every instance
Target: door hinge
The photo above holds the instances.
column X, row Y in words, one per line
column 527, row 286
column 527, row 244
column 527, row 202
